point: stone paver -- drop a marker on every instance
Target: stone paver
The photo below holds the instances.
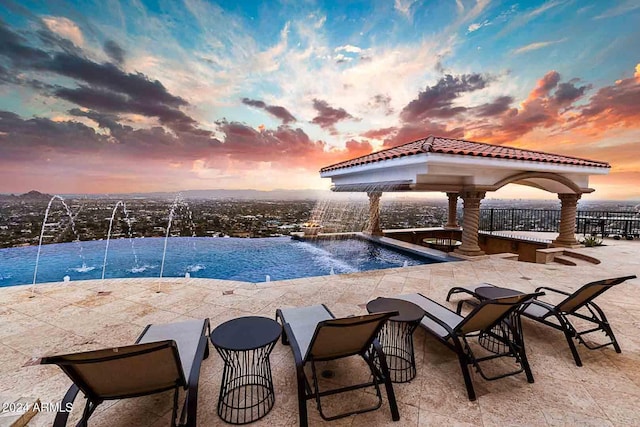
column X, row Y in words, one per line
column 68, row 317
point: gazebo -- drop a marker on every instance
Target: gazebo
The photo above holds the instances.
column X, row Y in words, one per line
column 468, row 170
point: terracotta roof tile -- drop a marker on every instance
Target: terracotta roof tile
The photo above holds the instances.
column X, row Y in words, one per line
column 462, row 147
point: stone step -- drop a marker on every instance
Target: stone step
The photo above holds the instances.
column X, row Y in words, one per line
column 561, row 259
column 581, row 256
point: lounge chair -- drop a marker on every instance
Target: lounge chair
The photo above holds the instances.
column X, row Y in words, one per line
column 453, row 330
column 165, row 357
column 582, row 298
column 316, row 335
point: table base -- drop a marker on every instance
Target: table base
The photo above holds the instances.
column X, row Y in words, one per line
column 495, row 340
column 396, row 339
column 246, row 391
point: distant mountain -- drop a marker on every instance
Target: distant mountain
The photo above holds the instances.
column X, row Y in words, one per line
column 30, row 196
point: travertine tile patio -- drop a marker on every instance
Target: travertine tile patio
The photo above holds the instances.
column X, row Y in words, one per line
column 68, row 317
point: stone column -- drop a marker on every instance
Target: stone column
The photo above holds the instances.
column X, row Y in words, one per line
column 452, row 220
column 470, row 223
column 567, row 237
column 374, row 213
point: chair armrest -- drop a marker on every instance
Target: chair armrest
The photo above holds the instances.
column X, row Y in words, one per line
column 552, row 290
column 463, row 302
column 63, row 414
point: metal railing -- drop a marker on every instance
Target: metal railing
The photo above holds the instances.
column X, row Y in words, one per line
column 604, row 223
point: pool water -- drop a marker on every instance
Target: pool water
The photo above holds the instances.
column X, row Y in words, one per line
column 250, row 260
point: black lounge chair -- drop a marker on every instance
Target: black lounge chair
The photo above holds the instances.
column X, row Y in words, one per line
column 315, row 335
column 453, row 330
column 165, row 357
column 582, row 298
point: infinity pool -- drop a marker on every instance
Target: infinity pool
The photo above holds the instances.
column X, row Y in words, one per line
column 250, row 260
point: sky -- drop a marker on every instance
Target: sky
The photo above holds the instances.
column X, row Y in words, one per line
column 168, row 95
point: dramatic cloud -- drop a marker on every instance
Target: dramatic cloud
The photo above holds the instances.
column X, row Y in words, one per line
column 111, row 77
column 106, row 121
column 284, row 145
column 115, row 52
column 408, row 132
column 545, row 84
column 567, row 93
column 437, row 101
column 615, row 105
column 102, row 87
column 327, row 115
column 14, row 48
column 37, row 138
column 275, row 110
column 65, row 28
column 382, row 102
column 114, row 102
column 358, row 148
column 495, row 108
column 545, row 107
column 379, row 133
column 113, row 97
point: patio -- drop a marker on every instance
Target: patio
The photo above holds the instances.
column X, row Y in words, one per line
column 70, row 317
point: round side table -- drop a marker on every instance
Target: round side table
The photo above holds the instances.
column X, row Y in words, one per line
column 396, row 336
column 246, row 391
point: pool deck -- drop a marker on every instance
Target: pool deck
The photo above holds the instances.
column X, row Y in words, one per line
column 70, row 317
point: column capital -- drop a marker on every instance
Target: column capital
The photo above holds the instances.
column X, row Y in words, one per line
column 569, row 197
column 473, row 194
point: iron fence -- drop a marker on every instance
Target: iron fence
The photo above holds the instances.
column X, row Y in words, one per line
column 604, row 223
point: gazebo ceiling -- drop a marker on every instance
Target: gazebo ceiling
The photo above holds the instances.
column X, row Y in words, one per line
column 444, row 164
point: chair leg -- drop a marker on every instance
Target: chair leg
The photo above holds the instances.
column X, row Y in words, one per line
column 302, row 396
column 614, row 341
column 464, row 366
column 521, row 352
column 567, row 329
column 391, row 395
column 174, row 411
column 63, row 415
column 604, row 324
column 88, row 410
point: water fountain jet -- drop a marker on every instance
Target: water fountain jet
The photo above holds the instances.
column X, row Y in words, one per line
column 44, row 224
column 128, row 221
column 178, row 202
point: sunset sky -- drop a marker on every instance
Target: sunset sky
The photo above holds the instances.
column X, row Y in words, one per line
column 168, row 95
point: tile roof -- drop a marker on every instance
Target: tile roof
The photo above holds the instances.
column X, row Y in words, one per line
column 433, row 144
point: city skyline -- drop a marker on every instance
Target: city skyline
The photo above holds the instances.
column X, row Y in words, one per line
column 168, row 96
